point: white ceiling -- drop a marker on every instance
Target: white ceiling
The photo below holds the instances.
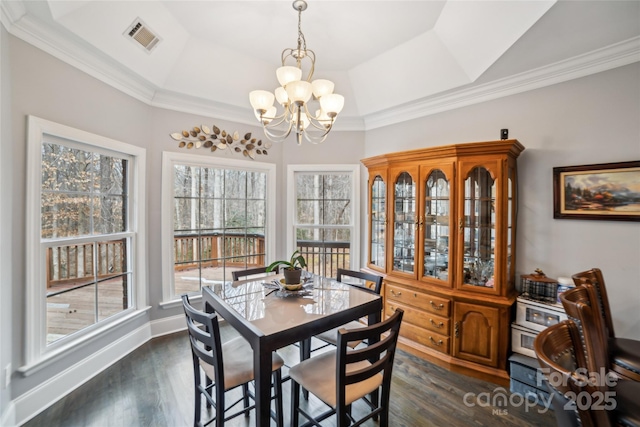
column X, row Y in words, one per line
column 392, row 60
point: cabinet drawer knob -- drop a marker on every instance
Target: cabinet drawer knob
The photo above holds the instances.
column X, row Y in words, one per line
column 439, row 342
column 395, row 294
column 436, row 307
column 457, row 329
column 437, row 325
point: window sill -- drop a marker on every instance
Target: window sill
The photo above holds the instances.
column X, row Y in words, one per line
column 59, row 353
column 166, row 305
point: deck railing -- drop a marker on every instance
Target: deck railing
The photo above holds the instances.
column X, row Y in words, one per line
column 73, row 264
column 209, row 250
column 70, row 264
column 324, row 258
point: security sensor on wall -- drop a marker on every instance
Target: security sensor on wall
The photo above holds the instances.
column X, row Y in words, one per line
column 504, row 133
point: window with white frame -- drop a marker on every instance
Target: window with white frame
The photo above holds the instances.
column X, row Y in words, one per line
column 85, row 198
column 218, row 216
column 323, row 216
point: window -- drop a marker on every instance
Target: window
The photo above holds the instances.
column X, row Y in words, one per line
column 82, row 235
column 323, row 216
column 218, row 216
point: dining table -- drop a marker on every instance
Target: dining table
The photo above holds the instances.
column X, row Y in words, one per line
column 270, row 317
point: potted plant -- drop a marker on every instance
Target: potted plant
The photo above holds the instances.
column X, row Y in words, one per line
column 293, row 268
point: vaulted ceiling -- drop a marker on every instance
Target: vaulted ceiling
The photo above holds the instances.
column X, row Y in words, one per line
column 392, row 60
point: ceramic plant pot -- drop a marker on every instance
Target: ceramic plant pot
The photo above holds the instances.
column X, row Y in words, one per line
column 292, row 277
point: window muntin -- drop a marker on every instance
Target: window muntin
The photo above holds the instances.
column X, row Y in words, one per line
column 325, row 216
column 82, row 193
column 219, row 220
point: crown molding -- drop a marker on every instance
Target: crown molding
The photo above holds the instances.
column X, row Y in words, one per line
column 613, row 56
column 87, row 59
column 77, row 54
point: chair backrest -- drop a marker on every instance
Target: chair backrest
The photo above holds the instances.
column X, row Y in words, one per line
column 383, row 351
column 206, row 345
column 595, row 277
column 581, row 306
column 240, row 274
column 367, row 277
column 560, row 354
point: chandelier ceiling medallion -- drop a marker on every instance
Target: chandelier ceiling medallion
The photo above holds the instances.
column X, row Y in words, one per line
column 309, row 107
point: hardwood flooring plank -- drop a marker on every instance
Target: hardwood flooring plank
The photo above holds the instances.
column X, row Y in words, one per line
column 153, row 386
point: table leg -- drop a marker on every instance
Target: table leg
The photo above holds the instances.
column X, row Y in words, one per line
column 262, row 372
column 305, row 353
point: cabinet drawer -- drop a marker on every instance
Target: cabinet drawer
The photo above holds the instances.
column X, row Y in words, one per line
column 432, row 304
column 427, row 338
column 421, row 318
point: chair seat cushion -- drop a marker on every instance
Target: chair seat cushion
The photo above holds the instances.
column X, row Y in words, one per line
column 331, row 336
column 237, row 356
column 627, row 402
column 318, row 375
column 625, row 353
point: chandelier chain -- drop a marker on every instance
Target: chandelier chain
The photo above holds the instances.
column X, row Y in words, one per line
column 309, row 108
column 301, row 40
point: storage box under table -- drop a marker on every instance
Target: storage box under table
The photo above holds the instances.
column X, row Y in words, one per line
column 526, row 379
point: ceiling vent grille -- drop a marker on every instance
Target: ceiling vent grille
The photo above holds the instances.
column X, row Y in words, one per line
column 142, row 35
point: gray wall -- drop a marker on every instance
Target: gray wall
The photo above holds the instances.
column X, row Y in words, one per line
column 590, row 120
column 48, row 88
column 595, row 119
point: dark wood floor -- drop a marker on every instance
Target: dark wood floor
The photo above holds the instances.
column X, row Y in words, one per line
column 153, row 386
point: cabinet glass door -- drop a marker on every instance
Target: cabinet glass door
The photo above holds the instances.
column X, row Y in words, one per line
column 404, row 211
column 479, row 228
column 378, row 222
column 436, row 226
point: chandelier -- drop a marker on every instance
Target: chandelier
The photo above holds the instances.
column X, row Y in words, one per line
column 297, row 97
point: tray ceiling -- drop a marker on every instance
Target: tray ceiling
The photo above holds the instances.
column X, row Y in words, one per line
column 392, row 60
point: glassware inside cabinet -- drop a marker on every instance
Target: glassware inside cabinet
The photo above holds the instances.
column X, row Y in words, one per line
column 478, row 225
column 436, row 226
column 404, row 224
column 378, row 221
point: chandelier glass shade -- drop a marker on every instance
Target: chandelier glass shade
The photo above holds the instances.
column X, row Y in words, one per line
column 307, row 107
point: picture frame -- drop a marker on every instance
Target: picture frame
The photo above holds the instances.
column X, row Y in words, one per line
column 605, row 191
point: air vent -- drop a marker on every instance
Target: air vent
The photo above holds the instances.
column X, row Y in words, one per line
column 142, row 35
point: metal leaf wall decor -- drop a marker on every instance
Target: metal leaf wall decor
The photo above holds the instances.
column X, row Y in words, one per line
column 216, row 139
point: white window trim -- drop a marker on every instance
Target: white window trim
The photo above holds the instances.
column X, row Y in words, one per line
column 354, row 169
column 169, row 160
column 37, row 353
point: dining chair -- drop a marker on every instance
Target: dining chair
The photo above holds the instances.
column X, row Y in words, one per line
column 624, row 352
column 369, row 282
column 213, row 377
column 241, row 274
column 581, row 398
column 341, row 377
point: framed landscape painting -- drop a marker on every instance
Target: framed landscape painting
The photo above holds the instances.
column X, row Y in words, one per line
column 606, row 191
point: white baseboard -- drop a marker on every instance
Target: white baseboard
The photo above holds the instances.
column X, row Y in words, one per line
column 8, row 418
column 38, row 399
column 168, row 325
column 31, row 403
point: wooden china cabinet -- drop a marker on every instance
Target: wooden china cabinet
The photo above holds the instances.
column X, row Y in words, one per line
column 442, row 229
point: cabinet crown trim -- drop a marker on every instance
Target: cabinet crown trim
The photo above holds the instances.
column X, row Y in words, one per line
column 511, row 147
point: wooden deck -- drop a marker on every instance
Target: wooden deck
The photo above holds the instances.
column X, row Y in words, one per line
column 71, row 311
